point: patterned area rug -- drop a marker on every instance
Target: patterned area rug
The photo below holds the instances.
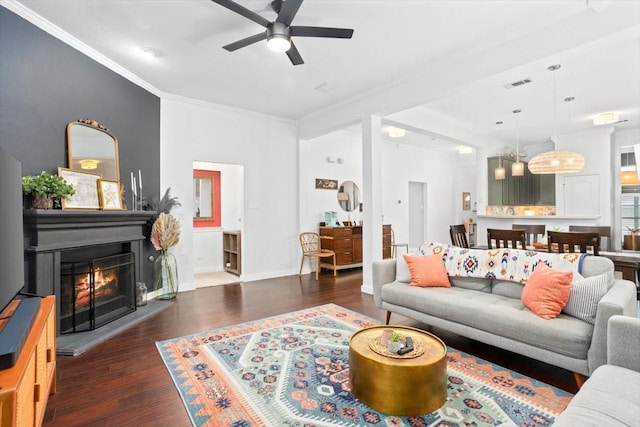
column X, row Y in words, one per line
column 292, row 370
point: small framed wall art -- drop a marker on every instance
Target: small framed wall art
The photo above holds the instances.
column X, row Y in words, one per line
column 466, row 201
column 86, row 186
column 326, row 184
column 110, row 198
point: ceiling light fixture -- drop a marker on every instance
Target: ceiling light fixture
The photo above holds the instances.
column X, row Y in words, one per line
column 517, row 168
column 552, row 162
column 395, row 132
column 463, row 149
column 279, row 37
column 606, row 119
column 500, row 172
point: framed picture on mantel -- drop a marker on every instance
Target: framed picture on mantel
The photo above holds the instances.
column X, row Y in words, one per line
column 86, row 186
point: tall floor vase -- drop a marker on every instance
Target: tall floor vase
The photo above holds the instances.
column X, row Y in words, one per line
column 166, row 275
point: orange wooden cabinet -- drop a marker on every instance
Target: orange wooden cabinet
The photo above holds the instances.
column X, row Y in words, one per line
column 25, row 387
column 346, row 242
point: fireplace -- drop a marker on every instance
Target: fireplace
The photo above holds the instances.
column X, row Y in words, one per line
column 95, row 292
column 90, row 260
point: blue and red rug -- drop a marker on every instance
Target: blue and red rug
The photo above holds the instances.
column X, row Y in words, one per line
column 293, row 370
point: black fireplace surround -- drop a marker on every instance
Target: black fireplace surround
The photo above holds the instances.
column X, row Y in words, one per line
column 58, row 242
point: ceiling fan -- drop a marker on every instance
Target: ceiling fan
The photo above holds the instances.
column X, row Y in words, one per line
column 279, row 32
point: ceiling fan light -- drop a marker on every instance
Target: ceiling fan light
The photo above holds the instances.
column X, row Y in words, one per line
column 279, row 43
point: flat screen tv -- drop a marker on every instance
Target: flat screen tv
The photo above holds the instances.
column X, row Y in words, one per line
column 11, row 234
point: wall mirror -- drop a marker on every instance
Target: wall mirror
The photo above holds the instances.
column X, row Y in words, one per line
column 203, row 197
column 349, row 196
column 91, row 148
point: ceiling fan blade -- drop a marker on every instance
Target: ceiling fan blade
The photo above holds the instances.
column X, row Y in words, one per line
column 241, row 10
column 288, row 11
column 246, row 41
column 294, row 55
column 337, row 33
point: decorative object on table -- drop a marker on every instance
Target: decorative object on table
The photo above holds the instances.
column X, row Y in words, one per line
column 141, row 294
column 395, row 342
column 110, row 198
column 46, row 191
column 229, row 372
column 326, row 184
column 380, row 345
column 86, row 194
column 165, row 234
column 631, row 241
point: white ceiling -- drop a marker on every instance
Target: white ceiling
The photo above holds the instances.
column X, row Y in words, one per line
column 394, row 42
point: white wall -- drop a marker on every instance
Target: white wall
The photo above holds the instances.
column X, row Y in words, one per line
column 313, row 164
column 404, row 163
column 267, row 148
column 207, row 241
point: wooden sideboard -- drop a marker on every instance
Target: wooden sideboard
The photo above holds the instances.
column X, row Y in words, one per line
column 25, row 387
column 346, row 242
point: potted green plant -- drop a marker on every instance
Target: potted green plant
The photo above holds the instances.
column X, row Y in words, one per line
column 45, row 190
column 631, row 241
column 395, row 342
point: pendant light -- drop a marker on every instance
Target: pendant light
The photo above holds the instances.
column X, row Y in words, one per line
column 499, row 173
column 555, row 161
column 517, row 169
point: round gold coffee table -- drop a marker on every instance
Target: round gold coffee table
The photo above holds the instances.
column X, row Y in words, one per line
column 407, row 385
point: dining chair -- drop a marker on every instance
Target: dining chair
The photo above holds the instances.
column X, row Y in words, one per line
column 395, row 246
column 311, row 248
column 603, row 231
column 458, row 235
column 502, row 238
column 561, row 241
column 532, row 232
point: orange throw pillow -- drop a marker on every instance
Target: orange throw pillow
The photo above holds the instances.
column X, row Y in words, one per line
column 427, row 271
column 547, row 291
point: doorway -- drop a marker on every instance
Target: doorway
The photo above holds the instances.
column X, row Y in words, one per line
column 207, row 241
column 417, row 214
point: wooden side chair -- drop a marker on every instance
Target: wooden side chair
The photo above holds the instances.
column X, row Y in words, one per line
column 603, row 231
column 533, row 232
column 310, row 245
column 560, row 241
column 395, row 245
column 458, row 235
column 506, row 238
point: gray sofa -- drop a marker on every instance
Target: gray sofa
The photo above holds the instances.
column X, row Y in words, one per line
column 611, row 396
column 491, row 311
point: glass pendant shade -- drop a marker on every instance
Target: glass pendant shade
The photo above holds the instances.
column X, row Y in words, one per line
column 517, row 169
column 500, row 173
column 629, row 178
column 556, row 162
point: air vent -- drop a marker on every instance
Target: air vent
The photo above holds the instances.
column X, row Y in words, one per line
column 518, row 83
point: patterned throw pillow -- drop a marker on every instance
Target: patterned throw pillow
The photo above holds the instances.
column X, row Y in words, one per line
column 584, row 297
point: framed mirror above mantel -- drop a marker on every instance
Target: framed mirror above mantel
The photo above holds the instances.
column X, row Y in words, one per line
column 92, row 148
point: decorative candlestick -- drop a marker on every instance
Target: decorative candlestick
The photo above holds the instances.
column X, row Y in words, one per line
column 140, row 188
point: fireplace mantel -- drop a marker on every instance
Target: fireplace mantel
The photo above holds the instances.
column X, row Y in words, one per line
column 49, row 233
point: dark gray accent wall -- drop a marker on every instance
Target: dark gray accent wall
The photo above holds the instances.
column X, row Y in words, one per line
column 45, row 84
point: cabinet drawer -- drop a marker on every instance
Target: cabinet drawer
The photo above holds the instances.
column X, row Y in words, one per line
column 344, row 258
column 340, row 245
column 342, row 232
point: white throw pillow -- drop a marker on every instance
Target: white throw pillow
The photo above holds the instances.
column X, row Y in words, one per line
column 402, row 270
column 584, row 297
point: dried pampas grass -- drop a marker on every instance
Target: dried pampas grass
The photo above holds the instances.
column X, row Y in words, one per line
column 165, row 232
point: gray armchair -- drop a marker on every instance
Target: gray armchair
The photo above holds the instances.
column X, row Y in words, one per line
column 611, row 396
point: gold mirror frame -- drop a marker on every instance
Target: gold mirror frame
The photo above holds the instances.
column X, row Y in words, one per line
column 93, row 149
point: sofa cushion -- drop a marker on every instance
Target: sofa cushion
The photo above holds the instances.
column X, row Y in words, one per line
column 584, row 297
column 547, row 291
column 427, row 271
column 608, row 398
column 595, row 265
column 402, row 270
column 502, row 316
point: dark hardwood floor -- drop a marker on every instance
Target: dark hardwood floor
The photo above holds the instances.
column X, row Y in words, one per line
column 123, row 381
